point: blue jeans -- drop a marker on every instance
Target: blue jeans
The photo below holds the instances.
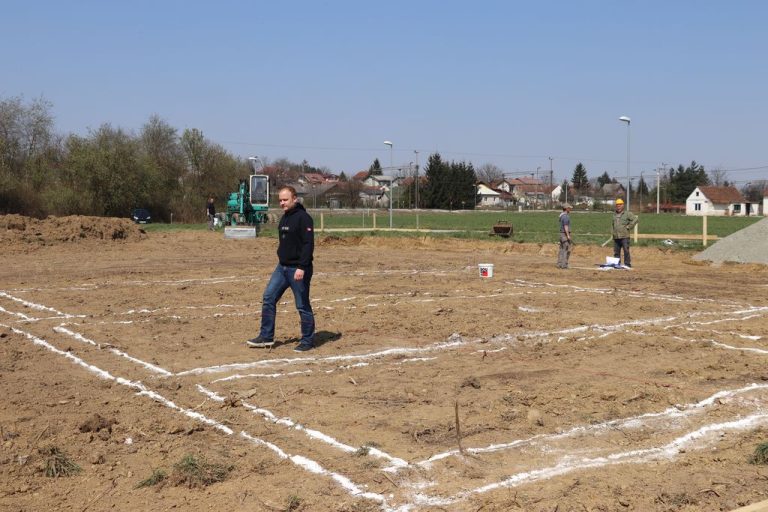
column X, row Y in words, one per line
column 282, row 279
column 620, row 244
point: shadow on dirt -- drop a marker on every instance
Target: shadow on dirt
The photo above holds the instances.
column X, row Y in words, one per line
column 321, row 338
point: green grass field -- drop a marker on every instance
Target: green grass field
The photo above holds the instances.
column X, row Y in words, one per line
column 528, row 226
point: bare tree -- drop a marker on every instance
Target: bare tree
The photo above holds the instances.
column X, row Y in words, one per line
column 489, row 173
column 718, row 176
column 753, row 191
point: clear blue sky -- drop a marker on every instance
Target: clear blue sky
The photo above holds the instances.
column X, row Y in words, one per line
column 508, row 82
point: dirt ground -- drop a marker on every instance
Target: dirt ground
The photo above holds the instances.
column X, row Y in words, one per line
column 431, row 389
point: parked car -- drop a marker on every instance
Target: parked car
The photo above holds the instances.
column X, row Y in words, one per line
column 141, row 216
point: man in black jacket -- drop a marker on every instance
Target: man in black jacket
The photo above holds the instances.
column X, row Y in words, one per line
column 294, row 271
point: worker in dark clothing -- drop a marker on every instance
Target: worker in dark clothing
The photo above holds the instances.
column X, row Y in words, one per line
column 294, row 271
column 210, row 210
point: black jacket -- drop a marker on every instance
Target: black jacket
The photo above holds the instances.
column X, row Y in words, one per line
column 297, row 238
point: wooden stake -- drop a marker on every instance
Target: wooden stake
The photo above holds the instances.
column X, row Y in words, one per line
column 458, row 426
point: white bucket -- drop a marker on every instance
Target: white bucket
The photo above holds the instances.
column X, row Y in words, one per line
column 486, row 269
column 611, row 261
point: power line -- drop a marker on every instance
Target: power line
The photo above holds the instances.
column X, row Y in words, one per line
column 474, row 154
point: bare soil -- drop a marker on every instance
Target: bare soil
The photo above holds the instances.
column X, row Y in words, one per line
column 430, row 389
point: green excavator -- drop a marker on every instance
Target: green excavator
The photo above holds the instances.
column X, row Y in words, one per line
column 247, row 209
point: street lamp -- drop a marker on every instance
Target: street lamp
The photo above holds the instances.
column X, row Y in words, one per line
column 255, row 163
column 625, row 119
column 391, row 181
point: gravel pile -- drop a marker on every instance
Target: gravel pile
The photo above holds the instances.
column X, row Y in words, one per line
column 750, row 245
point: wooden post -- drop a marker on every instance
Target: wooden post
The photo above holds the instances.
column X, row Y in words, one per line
column 635, row 233
column 704, row 231
column 374, row 220
column 322, row 221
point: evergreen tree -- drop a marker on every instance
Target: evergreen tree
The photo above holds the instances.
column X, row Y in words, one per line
column 434, row 192
column 580, row 180
column 683, row 180
column 604, row 179
column 343, row 177
column 449, row 186
column 375, row 168
column 563, row 192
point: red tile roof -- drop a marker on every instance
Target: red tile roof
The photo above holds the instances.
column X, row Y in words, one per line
column 722, row 195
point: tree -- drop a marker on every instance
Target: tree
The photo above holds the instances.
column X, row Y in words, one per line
column 448, row 185
column 375, row 168
column 642, row 190
column 343, row 177
column 489, row 173
column 753, row 191
column 27, row 148
column 683, row 180
column 163, row 158
column 563, row 198
column 718, row 177
column 604, row 179
column 580, row 180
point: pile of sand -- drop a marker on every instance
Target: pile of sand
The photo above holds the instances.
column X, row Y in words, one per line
column 75, row 228
column 749, row 245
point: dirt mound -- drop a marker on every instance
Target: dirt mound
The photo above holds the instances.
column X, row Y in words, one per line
column 75, row 228
column 749, row 245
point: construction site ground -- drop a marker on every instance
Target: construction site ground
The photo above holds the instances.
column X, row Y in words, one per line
column 431, row 388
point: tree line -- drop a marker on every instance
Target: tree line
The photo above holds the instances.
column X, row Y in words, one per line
column 111, row 171
column 674, row 187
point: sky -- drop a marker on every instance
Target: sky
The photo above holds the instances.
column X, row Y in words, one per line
column 522, row 85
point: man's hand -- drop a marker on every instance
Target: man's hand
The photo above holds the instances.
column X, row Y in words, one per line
column 299, row 275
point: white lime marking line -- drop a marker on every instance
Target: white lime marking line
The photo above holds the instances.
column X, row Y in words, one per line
column 141, row 390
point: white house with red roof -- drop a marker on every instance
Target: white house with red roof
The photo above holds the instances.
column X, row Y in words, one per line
column 719, row 201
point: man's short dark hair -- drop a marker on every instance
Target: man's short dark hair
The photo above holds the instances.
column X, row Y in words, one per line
column 289, row 189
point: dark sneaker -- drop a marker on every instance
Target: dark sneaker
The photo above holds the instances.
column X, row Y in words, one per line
column 260, row 342
column 303, row 347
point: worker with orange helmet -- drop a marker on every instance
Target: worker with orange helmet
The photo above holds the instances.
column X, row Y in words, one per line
column 623, row 222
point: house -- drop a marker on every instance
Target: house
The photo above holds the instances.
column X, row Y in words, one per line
column 765, row 203
column 386, row 182
column 718, row 201
column 488, row 197
column 612, row 191
column 374, row 197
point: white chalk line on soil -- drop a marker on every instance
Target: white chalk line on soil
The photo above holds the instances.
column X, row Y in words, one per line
column 636, row 456
column 39, row 307
column 138, row 386
column 456, row 341
column 443, row 345
column 79, row 337
column 624, row 293
column 20, row 315
column 313, row 434
column 567, row 464
column 743, row 312
column 632, row 422
column 141, row 390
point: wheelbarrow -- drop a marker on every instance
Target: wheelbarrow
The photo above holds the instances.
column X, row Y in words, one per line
column 502, row 228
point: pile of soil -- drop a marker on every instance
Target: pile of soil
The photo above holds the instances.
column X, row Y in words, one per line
column 17, row 229
column 749, row 245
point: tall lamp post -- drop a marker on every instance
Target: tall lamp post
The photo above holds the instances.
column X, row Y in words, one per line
column 391, row 181
column 625, row 119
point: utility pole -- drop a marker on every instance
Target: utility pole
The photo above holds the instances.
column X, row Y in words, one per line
column 658, row 184
column 550, row 180
column 417, row 178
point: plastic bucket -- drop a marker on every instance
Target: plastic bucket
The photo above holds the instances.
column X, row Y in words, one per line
column 486, row 269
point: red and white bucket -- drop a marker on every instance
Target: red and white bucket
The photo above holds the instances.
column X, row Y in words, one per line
column 486, row 269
